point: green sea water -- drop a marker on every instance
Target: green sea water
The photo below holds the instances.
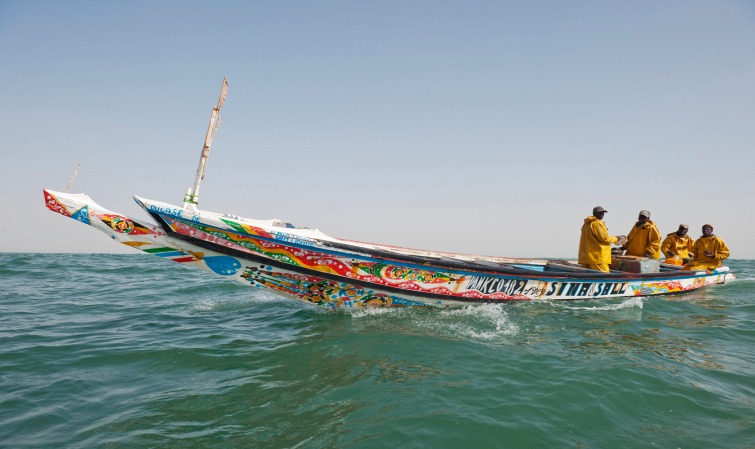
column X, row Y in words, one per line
column 129, row 351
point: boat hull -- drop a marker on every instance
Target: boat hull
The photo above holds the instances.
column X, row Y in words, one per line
column 314, row 268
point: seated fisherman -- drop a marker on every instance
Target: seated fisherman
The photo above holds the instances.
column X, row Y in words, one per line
column 709, row 251
column 678, row 244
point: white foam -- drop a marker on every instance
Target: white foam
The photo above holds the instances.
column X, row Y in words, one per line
column 479, row 322
column 476, row 322
column 362, row 312
column 236, row 302
column 634, row 302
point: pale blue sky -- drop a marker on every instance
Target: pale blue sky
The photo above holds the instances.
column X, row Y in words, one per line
column 484, row 127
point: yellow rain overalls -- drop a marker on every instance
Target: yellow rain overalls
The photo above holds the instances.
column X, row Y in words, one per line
column 595, row 245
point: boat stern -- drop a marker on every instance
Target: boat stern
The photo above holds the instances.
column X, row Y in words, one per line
column 724, row 275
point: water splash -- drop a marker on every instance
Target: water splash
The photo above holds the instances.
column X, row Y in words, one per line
column 631, row 303
column 476, row 322
column 226, row 303
column 482, row 322
column 367, row 312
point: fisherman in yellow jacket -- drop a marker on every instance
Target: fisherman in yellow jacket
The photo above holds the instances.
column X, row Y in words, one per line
column 595, row 242
column 678, row 244
column 710, row 251
column 644, row 240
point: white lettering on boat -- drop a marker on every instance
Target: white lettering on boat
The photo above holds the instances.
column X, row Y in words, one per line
column 288, row 238
column 173, row 212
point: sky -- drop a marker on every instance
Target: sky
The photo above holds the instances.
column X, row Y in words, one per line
column 479, row 127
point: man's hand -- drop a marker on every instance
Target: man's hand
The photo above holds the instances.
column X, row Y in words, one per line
column 709, row 253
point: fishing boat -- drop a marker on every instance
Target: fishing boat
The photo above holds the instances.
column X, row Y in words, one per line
column 313, row 267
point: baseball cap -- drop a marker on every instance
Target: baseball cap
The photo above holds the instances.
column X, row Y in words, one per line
column 645, row 213
column 598, row 209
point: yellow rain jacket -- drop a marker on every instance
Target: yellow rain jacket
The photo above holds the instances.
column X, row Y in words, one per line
column 680, row 246
column 595, row 243
column 701, row 261
column 642, row 239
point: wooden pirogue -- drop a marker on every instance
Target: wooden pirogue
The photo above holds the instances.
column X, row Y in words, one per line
column 312, row 267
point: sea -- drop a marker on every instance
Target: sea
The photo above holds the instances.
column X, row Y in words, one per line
column 131, row 351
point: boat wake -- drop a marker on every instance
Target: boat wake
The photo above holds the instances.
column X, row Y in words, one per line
column 630, row 303
column 483, row 322
column 487, row 322
column 229, row 303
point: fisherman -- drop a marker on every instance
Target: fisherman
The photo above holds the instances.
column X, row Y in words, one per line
column 709, row 251
column 595, row 242
column 678, row 245
column 644, row 240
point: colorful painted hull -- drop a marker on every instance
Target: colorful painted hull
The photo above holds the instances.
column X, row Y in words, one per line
column 313, row 267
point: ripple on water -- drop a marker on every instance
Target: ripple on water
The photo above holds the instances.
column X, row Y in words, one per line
column 130, row 352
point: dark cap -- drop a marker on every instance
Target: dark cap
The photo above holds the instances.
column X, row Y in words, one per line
column 683, row 226
column 598, row 209
column 708, row 225
column 645, row 213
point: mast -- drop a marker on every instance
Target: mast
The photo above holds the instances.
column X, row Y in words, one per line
column 78, row 166
column 191, row 199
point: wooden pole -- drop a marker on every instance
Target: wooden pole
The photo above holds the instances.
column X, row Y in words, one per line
column 191, row 199
column 73, row 177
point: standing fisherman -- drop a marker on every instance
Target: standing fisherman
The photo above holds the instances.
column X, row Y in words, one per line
column 595, row 242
